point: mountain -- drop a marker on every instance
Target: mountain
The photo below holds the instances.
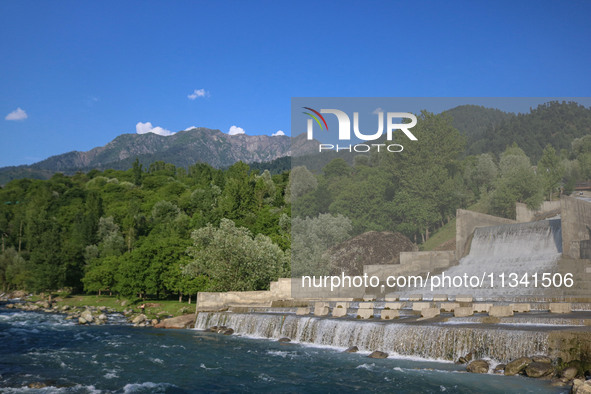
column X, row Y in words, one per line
column 181, row 149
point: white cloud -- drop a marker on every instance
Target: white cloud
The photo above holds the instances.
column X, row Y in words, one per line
column 17, row 114
column 198, row 93
column 377, row 110
column 143, row 128
column 235, row 130
column 279, row 132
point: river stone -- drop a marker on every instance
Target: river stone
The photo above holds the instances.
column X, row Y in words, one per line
column 82, row 320
column 87, row 315
column 10, row 306
column 352, row 349
column 538, row 370
column 581, row 387
column 516, row 366
column 139, row 319
column 569, row 373
column 541, row 359
column 499, row 368
column 478, row 366
column 228, row 331
column 284, row 340
column 184, row 321
column 378, row 354
column 102, row 317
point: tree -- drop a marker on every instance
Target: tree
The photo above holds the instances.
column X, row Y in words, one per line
column 233, row 259
column 550, row 171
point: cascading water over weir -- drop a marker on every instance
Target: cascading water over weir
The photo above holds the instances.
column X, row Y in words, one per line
column 438, row 341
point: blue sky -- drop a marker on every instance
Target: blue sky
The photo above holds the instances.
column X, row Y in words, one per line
column 84, row 72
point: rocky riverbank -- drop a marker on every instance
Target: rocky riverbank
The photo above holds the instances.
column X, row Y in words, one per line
column 96, row 315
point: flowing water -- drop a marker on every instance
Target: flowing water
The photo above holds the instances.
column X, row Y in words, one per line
column 37, row 347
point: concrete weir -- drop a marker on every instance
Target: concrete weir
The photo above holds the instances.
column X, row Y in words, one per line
column 412, row 337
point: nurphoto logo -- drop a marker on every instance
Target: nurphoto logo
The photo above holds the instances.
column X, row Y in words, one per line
column 344, row 132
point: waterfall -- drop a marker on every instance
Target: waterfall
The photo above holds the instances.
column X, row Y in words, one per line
column 522, row 248
column 425, row 341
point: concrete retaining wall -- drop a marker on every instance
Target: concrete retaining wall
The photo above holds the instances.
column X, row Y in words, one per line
column 523, row 214
column 413, row 263
column 279, row 290
column 467, row 221
column 576, row 227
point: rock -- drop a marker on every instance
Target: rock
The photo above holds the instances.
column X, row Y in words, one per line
column 184, row 321
column 569, row 373
column 212, row 329
column 581, row 387
column 541, row 359
column 10, row 306
column 98, row 321
column 378, row 354
column 102, row 317
column 284, row 340
column 465, row 359
column 44, row 304
column 228, row 331
column 516, row 366
column 87, row 315
column 499, row 368
column 82, row 320
column 538, row 370
column 36, row 385
column 352, row 349
column 478, row 366
column 154, row 322
column 139, row 319
column 124, row 303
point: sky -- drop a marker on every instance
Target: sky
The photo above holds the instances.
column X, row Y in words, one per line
column 76, row 74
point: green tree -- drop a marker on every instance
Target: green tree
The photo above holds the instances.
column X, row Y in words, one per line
column 550, row 171
column 233, row 259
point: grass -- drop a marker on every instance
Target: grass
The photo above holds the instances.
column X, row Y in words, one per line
column 448, row 232
column 154, row 308
column 441, row 236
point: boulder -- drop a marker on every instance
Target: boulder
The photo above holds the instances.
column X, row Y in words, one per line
column 538, row 370
column 82, row 320
column 184, row 321
column 581, row 387
column 478, row 366
column 352, row 349
column 516, row 366
column 102, row 317
column 499, row 368
column 569, row 373
column 465, row 359
column 139, row 319
column 541, row 359
column 227, row 331
column 154, row 322
column 378, row 354
column 10, row 306
column 284, row 340
column 87, row 315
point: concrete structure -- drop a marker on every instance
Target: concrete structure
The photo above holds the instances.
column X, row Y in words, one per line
column 365, row 313
column 500, row 311
column 339, row 312
column 464, row 298
column 391, row 297
column 342, row 304
column 320, row 310
column 302, row 311
column 279, row 290
column 481, row 307
column 521, row 307
column 366, row 305
column 393, row 305
column 467, row 222
column 388, row 314
column 412, row 263
column 429, row 313
column 440, row 297
column 524, row 214
column 415, row 297
column 560, row 307
column 463, row 311
column 449, row 306
column 576, row 227
column 419, row 306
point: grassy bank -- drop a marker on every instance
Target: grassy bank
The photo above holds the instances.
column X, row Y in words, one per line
column 154, row 308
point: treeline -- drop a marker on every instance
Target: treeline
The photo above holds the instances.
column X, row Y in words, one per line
column 418, row 190
column 130, row 232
